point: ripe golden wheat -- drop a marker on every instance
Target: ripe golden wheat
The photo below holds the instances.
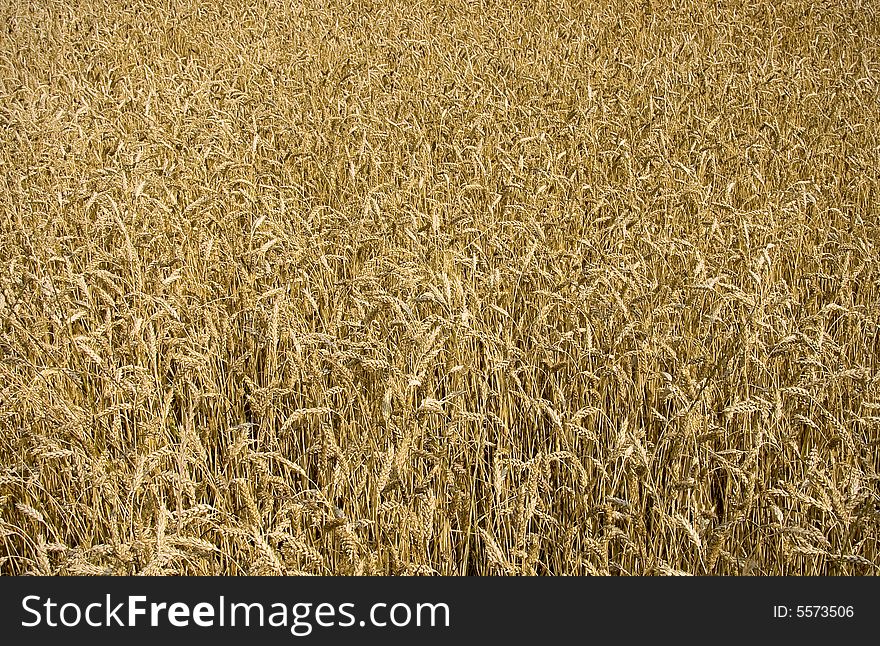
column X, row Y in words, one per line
column 440, row 287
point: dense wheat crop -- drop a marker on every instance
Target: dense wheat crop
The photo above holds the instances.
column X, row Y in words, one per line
column 440, row 287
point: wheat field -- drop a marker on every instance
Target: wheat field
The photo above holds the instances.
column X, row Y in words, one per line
column 440, row 287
